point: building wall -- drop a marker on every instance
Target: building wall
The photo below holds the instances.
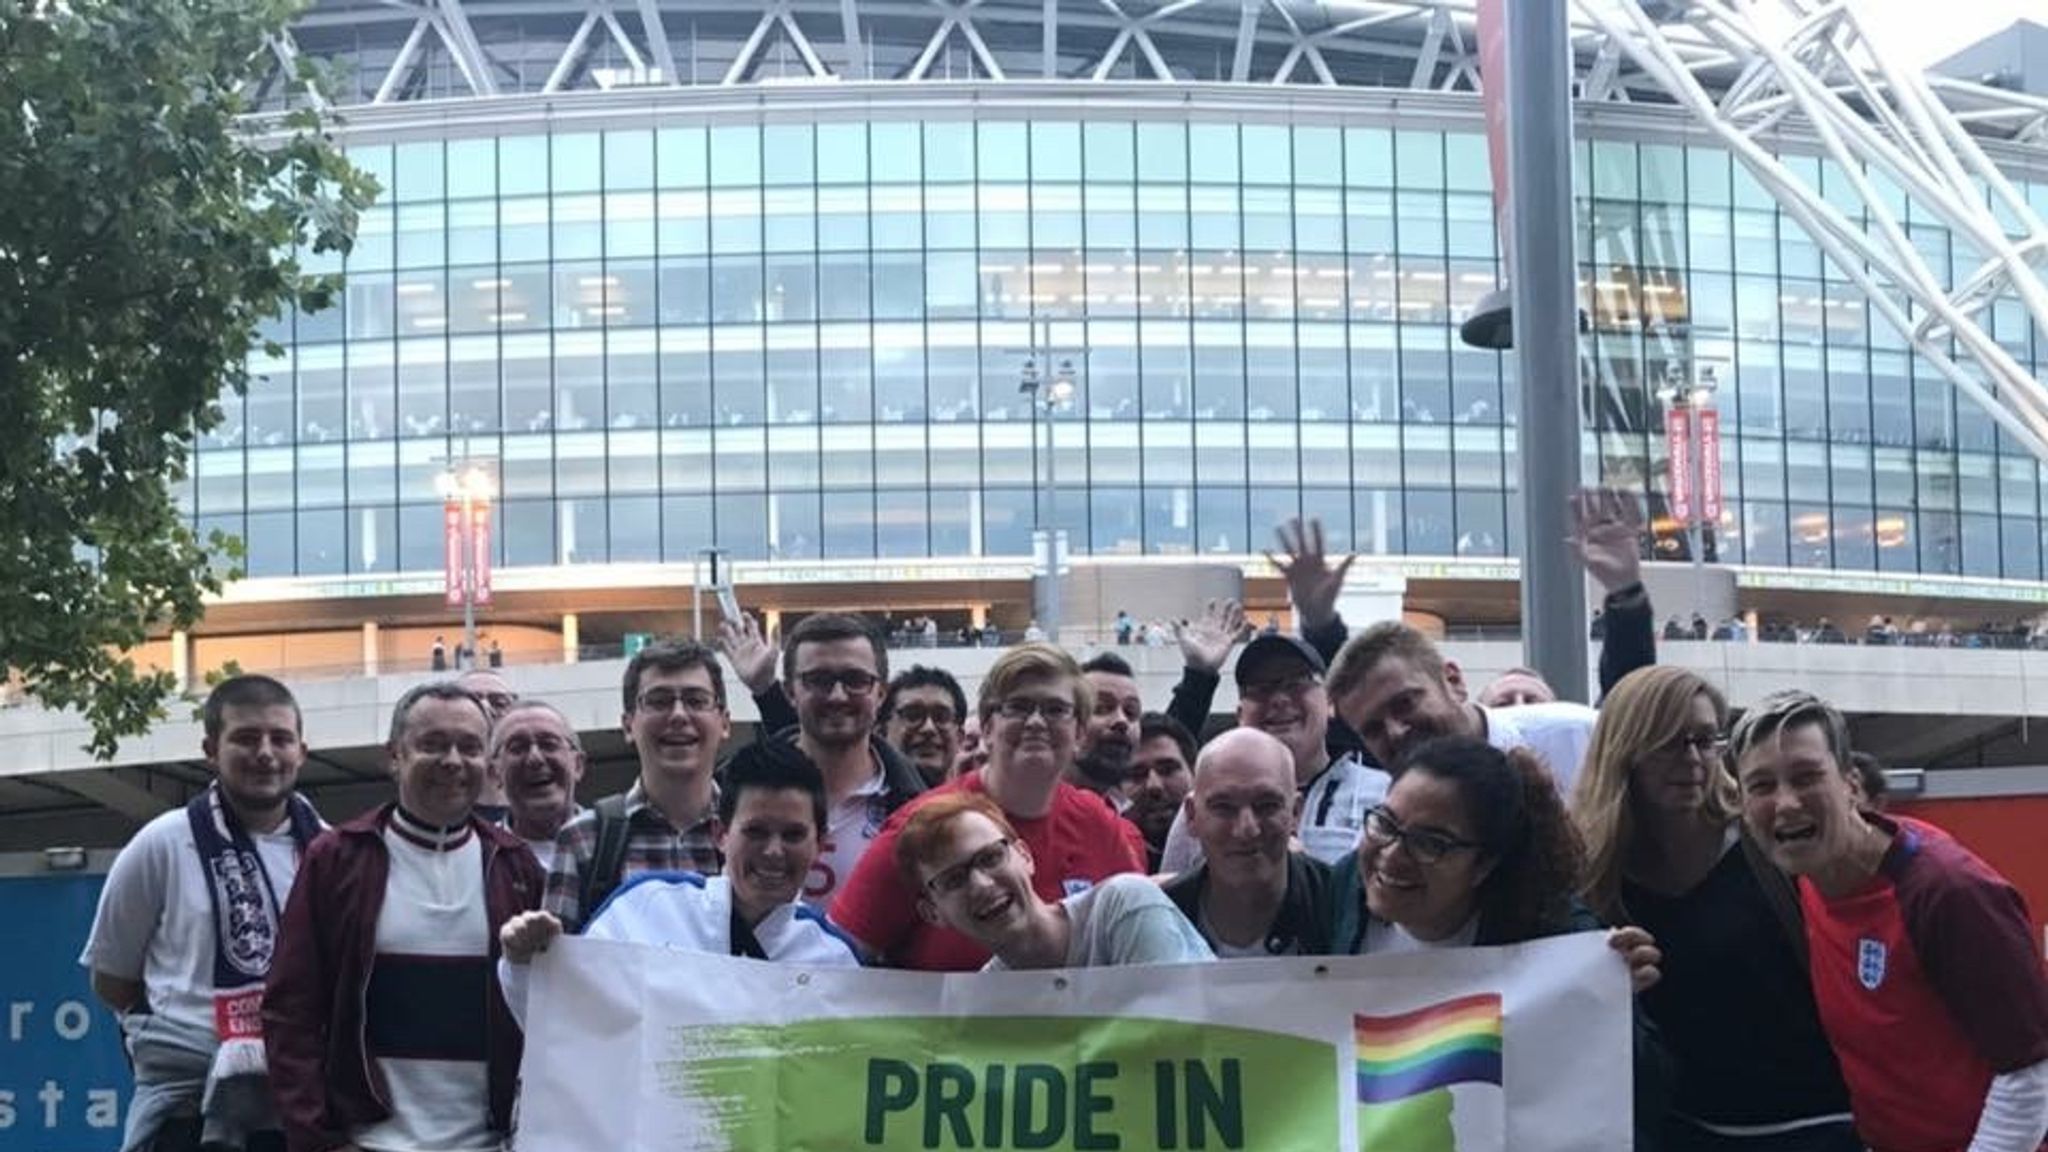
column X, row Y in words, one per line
column 2006, row 832
column 805, row 340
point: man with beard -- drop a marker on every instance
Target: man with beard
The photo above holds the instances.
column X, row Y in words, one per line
column 1159, row 780
column 1251, row 896
column 540, row 759
column 1393, row 687
column 835, row 666
column 921, row 718
column 1280, row 692
column 496, row 696
column 1111, row 735
column 189, row 920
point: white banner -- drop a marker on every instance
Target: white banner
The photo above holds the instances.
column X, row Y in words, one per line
column 639, row 1049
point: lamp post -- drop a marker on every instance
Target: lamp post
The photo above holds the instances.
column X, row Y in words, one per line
column 1691, row 430
column 1048, row 547
column 467, row 490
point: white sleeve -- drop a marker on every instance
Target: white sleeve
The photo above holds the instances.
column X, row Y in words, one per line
column 2015, row 1117
column 1182, row 850
column 131, row 905
column 512, row 981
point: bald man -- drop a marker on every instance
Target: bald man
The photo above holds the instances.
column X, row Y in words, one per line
column 496, row 696
column 1250, row 895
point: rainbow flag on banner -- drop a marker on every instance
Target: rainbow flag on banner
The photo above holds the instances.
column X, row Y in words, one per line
column 1455, row 1042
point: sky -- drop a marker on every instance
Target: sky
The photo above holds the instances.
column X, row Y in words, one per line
column 1911, row 28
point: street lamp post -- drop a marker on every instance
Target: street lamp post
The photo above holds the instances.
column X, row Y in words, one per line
column 1048, row 545
column 1696, row 500
column 466, row 488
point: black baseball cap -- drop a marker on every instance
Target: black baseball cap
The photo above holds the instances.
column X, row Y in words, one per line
column 1273, row 648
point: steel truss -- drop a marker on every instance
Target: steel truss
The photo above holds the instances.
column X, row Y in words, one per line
column 1878, row 121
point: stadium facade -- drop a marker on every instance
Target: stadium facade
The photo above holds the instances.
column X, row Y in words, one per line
column 766, row 278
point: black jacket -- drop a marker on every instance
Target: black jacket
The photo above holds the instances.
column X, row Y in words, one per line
column 1303, row 925
column 900, row 778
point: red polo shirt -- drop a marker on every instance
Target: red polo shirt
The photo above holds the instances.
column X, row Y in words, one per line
column 1074, row 845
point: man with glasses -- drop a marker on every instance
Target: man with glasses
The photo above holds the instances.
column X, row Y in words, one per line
column 835, row 666
column 538, row 755
column 675, row 719
column 973, row 873
column 1030, row 707
column 921, row 718
column 496, row 696
column 1280, row 692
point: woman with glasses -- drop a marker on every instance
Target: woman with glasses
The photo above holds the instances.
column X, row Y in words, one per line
column 973, row 874
column 1665, row 851
column 1471, row 847
column 1030, row 707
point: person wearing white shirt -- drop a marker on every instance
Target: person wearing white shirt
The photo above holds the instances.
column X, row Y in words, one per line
column 772, row 815
column 188, row 922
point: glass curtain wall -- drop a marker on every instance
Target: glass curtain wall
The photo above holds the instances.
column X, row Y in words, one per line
column 805, row 342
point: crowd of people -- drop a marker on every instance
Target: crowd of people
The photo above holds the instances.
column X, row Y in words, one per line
column 1811, row 973
column 1882, row 631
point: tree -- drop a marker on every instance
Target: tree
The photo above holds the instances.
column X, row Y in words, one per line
column 147, row 227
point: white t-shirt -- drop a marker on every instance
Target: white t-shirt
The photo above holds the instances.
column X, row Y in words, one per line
column 1382, row 938
column 433, row 907
column 1558, row 732
column 543, row 851
column 1126, row 919
column 850, row 826
column 155, row 918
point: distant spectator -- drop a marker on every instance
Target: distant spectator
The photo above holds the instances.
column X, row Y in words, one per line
column 1125, row 626
column 1597, row 630
column 1699, row 626
column 496, row 654
column 1674, row 630
column 1868, row 781
column 440, row 657
column 1033, row 634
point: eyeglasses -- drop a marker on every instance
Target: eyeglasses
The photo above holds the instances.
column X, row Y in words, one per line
column 661, row 701
column 1270, row 690
column 856, row 681
column 497, row 701
column 1709, row 745
column 1426, row 846
column 1021, row 708
column 918, row 715
column 952, row 881
column 547, row 744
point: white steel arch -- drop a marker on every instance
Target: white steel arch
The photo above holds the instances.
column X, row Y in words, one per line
column 1876, row 120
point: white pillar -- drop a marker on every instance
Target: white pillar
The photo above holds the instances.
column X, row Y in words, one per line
column 572, row 640
column 370, row 647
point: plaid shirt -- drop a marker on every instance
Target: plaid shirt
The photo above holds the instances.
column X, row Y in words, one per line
column 653, row 844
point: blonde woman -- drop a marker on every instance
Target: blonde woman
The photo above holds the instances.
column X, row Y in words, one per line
column 1665, row 851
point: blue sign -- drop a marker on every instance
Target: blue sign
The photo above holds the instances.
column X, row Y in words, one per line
column 64, row 1082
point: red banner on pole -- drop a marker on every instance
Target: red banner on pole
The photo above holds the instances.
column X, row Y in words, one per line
column 1710, row 465
column 1493, row 84
column 1678, row 469
column 480, row 548
column 451, row 552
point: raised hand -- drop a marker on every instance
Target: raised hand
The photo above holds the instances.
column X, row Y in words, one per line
column 1607, row 534
column 1205, row 643
column 1311, row 582
column 753, row 658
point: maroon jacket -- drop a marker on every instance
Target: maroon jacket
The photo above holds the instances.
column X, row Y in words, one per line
column 313, row 1004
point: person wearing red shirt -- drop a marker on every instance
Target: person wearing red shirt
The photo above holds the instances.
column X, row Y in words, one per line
column 1922, row 957
column 1030, row 708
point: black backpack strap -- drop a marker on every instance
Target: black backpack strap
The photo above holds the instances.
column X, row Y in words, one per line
column 608, row 860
